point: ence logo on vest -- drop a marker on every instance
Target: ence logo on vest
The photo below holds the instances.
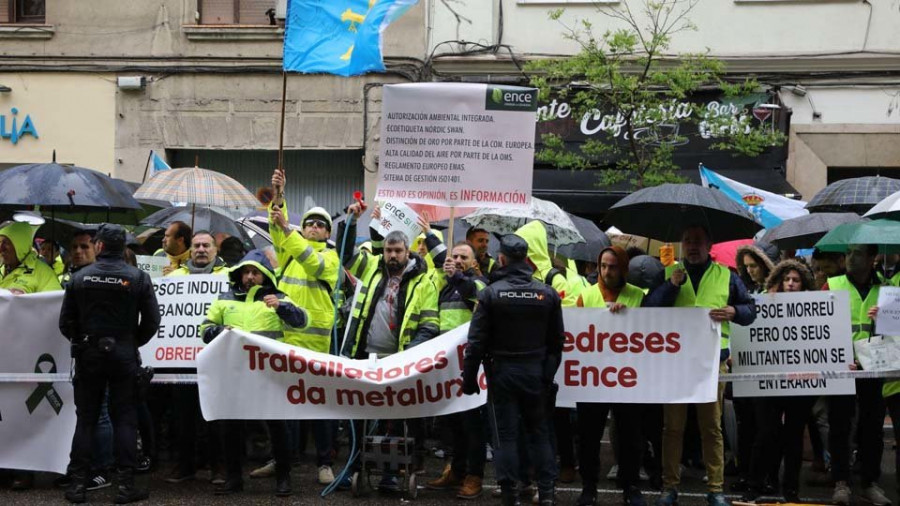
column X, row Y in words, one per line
column 521, row 295
column 108, row 280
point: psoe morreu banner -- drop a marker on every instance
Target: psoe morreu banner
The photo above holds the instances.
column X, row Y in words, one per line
column 242, row 376
column 457, row 144
column 795, row 333
column 639, row 355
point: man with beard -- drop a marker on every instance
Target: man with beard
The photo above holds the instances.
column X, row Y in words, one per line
column 458, row 284
column 397, row 309
column 611, row 292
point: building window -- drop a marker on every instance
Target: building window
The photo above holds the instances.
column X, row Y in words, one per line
column 236, row 12
column 22, row 11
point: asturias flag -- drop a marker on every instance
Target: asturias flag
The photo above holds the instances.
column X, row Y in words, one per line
column 769, row 208
column 338, row 36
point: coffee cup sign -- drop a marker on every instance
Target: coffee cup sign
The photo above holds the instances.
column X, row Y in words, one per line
column 397, row 216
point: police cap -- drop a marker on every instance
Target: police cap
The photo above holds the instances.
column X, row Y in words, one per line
column 514, row 247
column 112, row 237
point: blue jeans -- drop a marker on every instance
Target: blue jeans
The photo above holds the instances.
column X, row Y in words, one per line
column 103, row 438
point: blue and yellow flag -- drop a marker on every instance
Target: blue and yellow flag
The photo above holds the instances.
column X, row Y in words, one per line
column 338, row 36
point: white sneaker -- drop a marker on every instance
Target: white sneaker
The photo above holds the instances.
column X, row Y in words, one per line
column 875, row 495
column 841, row 495
column 266, row 471
column 326, row 475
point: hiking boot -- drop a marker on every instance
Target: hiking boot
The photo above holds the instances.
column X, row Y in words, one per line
column 588, row 497
column 266, row 471
column 471, row 488
column 231, row 486
column 98, row 481
column 634, row 497
column 841, row 495
column 326, row 475
column 283, row 485
column 180, row 475
column 447, row 480
column 127, row 492
column 716, row 499
column 669, row 497
column 76, row 491
column 875, row 495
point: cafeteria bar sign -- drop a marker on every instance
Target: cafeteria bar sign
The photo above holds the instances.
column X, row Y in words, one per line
column 12, row 130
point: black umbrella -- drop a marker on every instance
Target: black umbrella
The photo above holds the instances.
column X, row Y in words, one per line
column 586, row 251
column 62, row 231
column 857, row 195
column 203, row 218
column 663, row 212
column 62, row 187
column 803, row 231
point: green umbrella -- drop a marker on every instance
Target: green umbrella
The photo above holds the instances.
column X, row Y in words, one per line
column 884, row 233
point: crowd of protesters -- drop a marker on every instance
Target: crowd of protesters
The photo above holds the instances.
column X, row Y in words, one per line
column 414, row 289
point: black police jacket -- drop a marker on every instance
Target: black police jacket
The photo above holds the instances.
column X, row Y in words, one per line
column 110, row 298
column 516, row 318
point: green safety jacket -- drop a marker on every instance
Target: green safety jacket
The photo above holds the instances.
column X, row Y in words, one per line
column 32, row 275
column 712, row 293
column 629, row 296
column 418, row 314
column 535, row 235
column 309, row 273
column 457, row 297
column 246, row 310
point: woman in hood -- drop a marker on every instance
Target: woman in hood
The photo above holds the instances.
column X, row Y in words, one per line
column 781, row 420
column 754, row 264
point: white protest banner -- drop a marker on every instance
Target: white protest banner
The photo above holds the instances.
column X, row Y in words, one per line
column 457, row 144
column 183, row 303
column 244, row 376
column 888, row 320
column 37, row 420
column 647, row 355
column 397, row 216
column 152, row 265
column 795, row 332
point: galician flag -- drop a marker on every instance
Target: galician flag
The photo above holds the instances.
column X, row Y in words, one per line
column 769, row 208
column 338, row 36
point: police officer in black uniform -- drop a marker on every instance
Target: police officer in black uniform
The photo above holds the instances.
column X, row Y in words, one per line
column 517, row 331
column 109, row 310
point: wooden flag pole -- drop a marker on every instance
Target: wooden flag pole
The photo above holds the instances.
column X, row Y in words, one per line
column 279, row 190
column 449, row 239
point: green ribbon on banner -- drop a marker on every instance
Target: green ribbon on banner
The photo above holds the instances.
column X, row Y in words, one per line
column 44, row 390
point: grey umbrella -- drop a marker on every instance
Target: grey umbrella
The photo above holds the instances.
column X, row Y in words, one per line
column 857, row 195
column 663, row 212
column 586, row 251
column 204, row 218
column 803, row 231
